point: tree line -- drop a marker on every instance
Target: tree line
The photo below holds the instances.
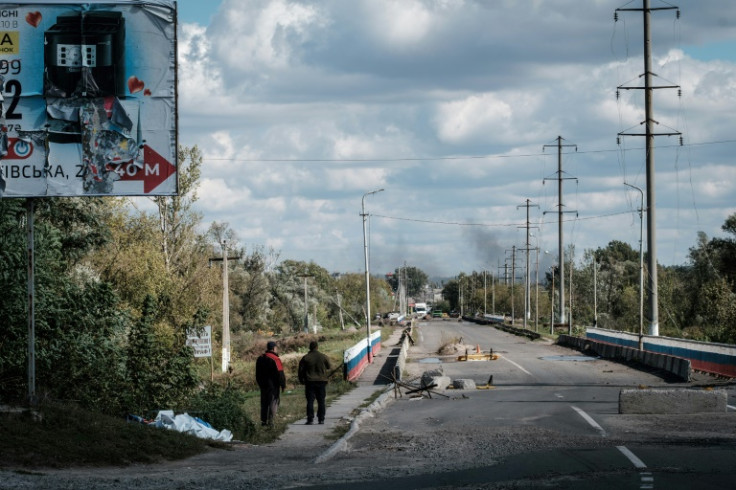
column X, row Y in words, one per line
column 697, row 300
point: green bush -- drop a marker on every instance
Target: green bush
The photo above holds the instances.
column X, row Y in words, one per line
column 222, row 407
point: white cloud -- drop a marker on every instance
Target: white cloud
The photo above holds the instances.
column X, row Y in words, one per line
column 340, row 98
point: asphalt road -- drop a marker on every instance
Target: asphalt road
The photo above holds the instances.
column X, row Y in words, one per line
column 550, row 418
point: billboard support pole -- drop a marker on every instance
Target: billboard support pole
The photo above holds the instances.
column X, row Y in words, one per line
column 30, row 209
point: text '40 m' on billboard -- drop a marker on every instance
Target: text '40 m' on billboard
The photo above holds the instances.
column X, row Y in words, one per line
column 88, row 98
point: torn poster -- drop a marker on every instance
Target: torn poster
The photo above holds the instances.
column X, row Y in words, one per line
column 89, row 101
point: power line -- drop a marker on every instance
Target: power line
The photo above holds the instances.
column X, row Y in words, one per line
column 441, row 158
column 495, row 225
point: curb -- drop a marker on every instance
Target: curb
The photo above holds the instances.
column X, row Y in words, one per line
column 342, row 443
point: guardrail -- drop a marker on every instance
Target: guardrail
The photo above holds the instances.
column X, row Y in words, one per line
column 497, row 321
column 355, row 359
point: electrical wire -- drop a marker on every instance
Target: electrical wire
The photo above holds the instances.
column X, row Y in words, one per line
column 442, row 158
column 499, row 225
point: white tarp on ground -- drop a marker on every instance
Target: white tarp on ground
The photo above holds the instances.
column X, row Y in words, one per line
column 190, row 425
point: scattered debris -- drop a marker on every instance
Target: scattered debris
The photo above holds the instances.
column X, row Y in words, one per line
column 184, row 423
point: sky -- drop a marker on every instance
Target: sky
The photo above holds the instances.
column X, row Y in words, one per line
column 454, row 108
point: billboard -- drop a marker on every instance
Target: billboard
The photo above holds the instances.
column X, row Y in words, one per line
column 89, row 102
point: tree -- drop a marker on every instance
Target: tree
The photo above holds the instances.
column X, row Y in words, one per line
column 160, row 367
column 251, row 286
column 161, row 254
column 79, row 321
column 415, row 280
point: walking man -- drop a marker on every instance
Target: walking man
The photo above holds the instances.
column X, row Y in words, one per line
column 313, row 373
column 270, row 377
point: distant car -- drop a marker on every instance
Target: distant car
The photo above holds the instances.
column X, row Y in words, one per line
column 393, row 315
column 454, row 314
column 437, row 314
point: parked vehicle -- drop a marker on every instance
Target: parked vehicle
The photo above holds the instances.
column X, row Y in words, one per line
column 420, row 309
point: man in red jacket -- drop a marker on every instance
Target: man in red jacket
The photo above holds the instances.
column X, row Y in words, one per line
column 270, row 377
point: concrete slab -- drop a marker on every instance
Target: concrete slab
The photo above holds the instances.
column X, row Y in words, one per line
column 668, row 401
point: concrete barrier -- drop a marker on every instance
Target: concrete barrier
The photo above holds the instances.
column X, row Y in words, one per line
column 677, row 366
column 506, row 328
column 669, row 401
column 403, row 353
column 709, row 357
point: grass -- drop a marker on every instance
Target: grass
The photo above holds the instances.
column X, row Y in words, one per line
column 59, row 435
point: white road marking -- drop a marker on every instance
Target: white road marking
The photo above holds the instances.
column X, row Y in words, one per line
column 590, row 420
column 512, row 362
column 731, row 407
column 634, row 460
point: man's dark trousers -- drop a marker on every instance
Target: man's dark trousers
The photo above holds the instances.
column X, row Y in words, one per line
column 316, row 390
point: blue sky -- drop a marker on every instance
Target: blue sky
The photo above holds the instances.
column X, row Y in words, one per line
column 200, row 11
column 301, row 107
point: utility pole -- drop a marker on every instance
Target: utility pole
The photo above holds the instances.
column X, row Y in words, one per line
column 225, row 305
column 493, row 295
column 527, row 291
column 649, row 135
column 536, row 301
column 339, row 309
column 513, row 280
column 552, row 304
column 306, row 304
column 560, row 145
column 364, row 215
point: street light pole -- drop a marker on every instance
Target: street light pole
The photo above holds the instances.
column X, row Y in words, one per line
column 485, row 294
column 641, row 268
column 367, row 274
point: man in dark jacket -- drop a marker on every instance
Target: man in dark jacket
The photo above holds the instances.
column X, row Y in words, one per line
column 270, row 377
column 313, row 373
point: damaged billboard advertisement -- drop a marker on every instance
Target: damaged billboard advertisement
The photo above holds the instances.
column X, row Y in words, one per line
column 89, row 103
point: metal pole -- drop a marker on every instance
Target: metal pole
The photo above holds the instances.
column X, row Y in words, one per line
column 306, row 307
column 651, row 218
column 30, row 211
column 339, row 310
column 513, row 280
column 552, row 305
column 225, row 311
column 367, row 275
column 641, row 267
column 559, row 230
column 595, row 292
column 485, row 294
column 536, row 299
column 569, row 313
column 493, row 294
column 649, row 135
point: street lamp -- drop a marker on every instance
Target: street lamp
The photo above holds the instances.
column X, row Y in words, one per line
column 367, row 275
column 641, row 268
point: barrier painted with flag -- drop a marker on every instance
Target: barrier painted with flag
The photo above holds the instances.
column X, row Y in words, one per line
column 355, row 358
column 703, row 356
